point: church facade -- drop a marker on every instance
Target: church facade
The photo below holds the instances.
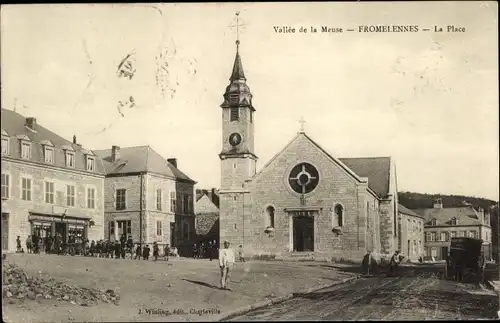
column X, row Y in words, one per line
column 304, row 202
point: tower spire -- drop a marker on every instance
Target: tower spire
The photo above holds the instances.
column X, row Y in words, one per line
column 237, row 73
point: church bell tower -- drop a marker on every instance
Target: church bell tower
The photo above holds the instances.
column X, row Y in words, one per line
column 238, row 161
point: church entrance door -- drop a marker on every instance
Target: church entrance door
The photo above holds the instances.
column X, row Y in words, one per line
column 303, row 232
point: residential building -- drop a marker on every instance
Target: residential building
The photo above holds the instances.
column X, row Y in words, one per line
column 441, row 224
column 49, row 185
column 411, row 243
column 206, row 211
column 145, row 190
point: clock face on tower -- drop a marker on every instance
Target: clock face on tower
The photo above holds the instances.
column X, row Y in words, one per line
column 235, row 139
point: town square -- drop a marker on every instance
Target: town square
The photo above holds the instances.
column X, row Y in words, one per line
column 152, row 173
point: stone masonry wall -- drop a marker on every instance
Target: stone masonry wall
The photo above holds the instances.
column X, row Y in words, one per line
column 414, row 232
column 19, row 209
column 271, row 188
column 132, row 211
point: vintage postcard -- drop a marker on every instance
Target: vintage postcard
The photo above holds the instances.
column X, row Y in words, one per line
column 250, row 161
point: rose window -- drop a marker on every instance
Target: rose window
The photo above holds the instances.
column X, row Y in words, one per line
column 303, row 178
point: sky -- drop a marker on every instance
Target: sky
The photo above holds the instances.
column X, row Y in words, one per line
column 428, row 99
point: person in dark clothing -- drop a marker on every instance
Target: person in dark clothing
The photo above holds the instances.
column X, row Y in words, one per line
column 195, row 251
column 138, row 252
column 145, row 253
column 111, row 249
column 18, row 244
column 130, row 247
column 98, row 248
column 210, row 250
column 36, row 246
column 47, row 244
column 57, row 244
column 29, row 244
column 481, row 267
column 450, row 266
column 123, row 242
column 166, row 252
column 394, row 263
column 215, row 250
column 368, row 264
column 117, row 248
column 156, row 251
column 202, row 250
column 92, row 249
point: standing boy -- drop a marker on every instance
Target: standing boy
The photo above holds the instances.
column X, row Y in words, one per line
column 226, row 259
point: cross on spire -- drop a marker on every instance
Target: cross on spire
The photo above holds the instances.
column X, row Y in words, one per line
column 302, row 122
column 237, row 25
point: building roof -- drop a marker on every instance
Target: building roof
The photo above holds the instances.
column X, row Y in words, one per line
column 140, row 159
column 377, row 169
column 213, row 195
column 465, row 215
column 14, row 126
column 403, row 209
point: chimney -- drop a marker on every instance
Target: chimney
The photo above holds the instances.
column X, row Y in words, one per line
column 438, row 203
column 31, row 123
column 173, row 161
column 115, row 153
column 74, row 139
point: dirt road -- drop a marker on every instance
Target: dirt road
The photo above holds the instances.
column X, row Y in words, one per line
column 386, row 298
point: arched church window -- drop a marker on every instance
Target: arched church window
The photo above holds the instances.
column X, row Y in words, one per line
column 303, row 178
column 270, row 217
column 339, row 215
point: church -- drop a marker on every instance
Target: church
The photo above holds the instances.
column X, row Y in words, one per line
column 304, row 203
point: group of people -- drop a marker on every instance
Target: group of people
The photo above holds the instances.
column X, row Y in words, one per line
column 203, row 251
column 50, row 244
column 369, row 264
column 102, row 248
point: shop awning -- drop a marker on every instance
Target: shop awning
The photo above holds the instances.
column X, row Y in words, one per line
column 41, row 217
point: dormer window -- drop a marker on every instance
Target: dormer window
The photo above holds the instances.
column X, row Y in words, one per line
column 90, row 163
column 5, row 145
column 25, row 150
column 235, row 114
column 454, row 221
column 70, row 159
column 49, row 154
column 433, row 222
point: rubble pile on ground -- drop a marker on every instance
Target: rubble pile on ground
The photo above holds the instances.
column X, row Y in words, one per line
column 17, row 285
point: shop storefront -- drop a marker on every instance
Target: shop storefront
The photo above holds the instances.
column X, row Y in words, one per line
column 45, row 225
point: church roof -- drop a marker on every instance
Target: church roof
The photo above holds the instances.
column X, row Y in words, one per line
column 140, row 159
column 377, row 169
column 238, row 73
column 465, row 215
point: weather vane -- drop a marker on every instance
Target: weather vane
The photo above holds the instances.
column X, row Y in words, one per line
column 237, row 25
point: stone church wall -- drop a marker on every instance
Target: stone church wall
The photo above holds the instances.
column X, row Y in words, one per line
column 271, row 188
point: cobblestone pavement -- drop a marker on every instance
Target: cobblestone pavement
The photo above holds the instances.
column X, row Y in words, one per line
column 386, row 298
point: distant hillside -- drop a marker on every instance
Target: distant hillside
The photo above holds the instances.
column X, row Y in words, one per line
column 420, row 201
